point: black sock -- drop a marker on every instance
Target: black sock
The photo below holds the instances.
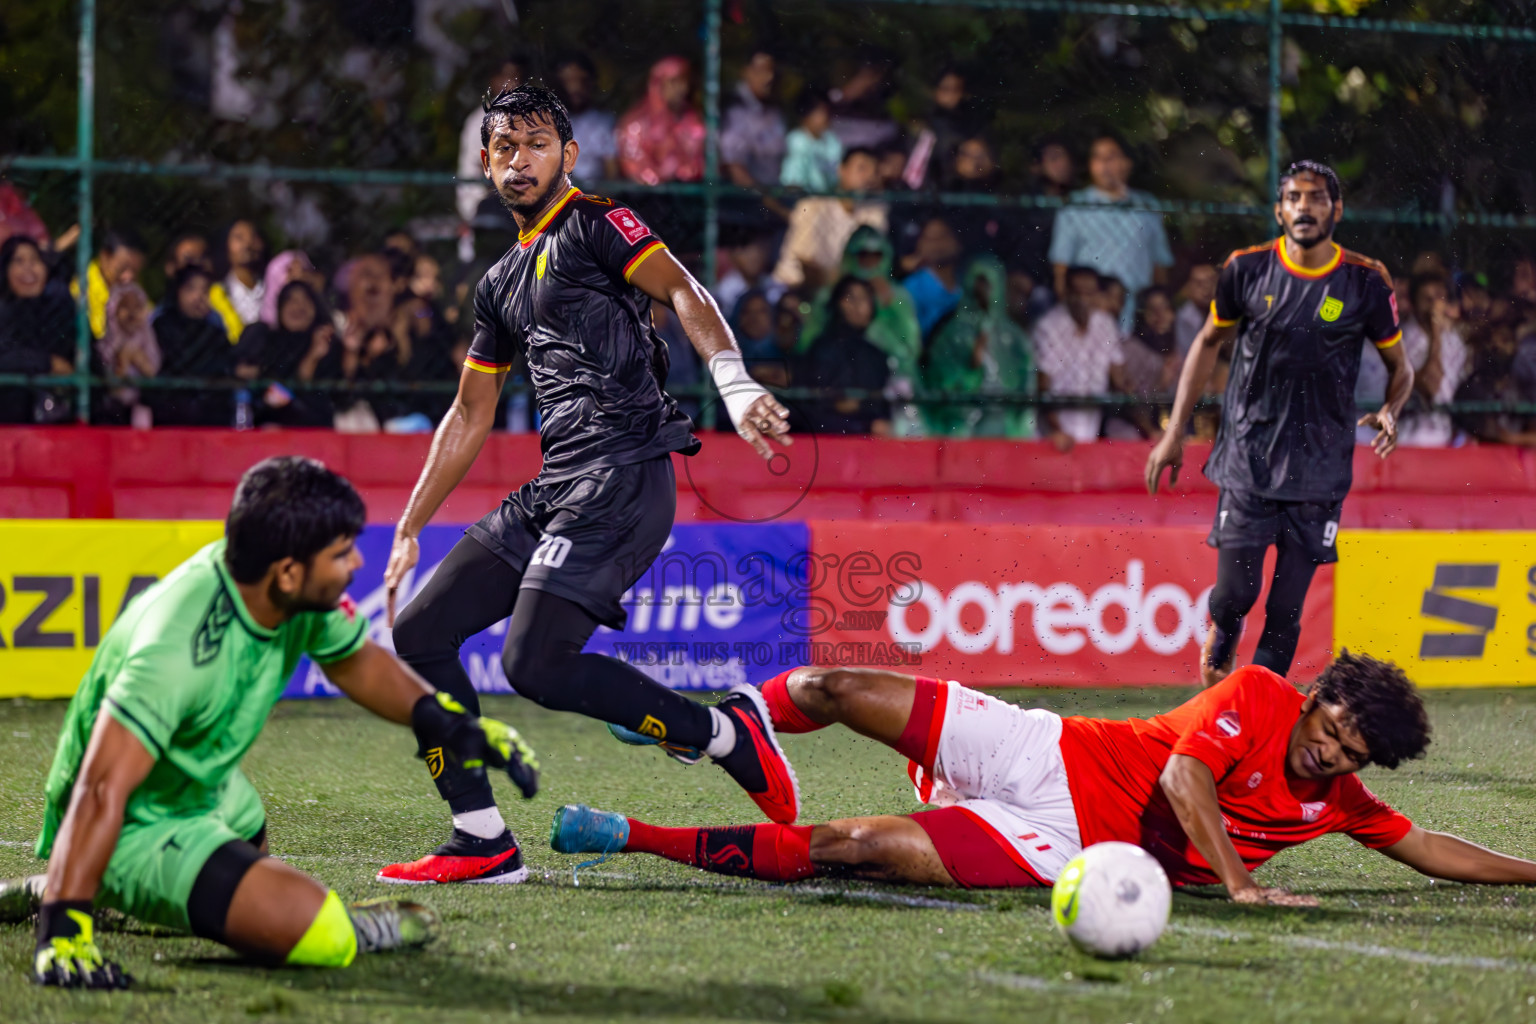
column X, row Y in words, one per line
column 471, row 590
column 544, row 663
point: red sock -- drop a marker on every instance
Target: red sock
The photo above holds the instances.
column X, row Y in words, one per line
column 773, row 853
column 786, row 717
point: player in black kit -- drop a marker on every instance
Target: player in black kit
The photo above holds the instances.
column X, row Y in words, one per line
column 1300, row 308
column 573, row 299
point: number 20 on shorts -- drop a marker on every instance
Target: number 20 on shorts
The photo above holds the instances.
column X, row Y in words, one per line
column 551, row 551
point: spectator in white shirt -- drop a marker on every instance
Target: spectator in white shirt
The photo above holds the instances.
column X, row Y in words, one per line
column 1439, row 356
column 1199, row 293
column 820, row 226
column 241, row 262
column 509, row 74
column 598, row 159
column 1077, row 352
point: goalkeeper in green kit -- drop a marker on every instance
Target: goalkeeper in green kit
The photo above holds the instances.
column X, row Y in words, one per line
column 147, row 811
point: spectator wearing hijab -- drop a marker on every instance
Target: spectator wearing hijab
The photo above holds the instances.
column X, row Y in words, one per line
column 894, row 329
column 661, row 138
column 842, row 357
column 37, row 331
column 287, row 266
column 127, row 350
column 290, row 349
column 191, row 346
column 978, row 351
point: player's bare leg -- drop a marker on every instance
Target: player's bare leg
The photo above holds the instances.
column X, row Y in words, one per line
column 889, row 848
column 871, row 702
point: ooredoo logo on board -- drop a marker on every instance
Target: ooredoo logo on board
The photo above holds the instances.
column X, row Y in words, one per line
column 993, row 604
column 1061, row 618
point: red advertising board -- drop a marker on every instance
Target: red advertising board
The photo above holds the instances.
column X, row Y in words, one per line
column 1088, row 606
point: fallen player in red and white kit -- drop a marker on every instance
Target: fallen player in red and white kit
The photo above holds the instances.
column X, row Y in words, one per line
column 1213, row 788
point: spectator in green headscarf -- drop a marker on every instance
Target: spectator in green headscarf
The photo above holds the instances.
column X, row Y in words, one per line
column 977, row 351
column 869, row 256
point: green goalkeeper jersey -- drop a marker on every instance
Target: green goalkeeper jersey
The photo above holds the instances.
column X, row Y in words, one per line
column 193, row 677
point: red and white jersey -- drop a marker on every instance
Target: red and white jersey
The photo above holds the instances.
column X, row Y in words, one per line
column 1241, row 730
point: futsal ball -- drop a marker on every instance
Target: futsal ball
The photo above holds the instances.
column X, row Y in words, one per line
column 1112, row 900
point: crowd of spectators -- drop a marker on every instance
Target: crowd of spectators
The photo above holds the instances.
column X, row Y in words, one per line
column 887, row 310
column 247, row 334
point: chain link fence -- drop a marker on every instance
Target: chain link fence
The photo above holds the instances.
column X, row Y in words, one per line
column 331, row 127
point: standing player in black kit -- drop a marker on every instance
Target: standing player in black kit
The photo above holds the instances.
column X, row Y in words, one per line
column 573, row 297
column 1300, row 308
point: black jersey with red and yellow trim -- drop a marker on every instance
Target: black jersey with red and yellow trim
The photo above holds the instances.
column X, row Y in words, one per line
column 1288, row 418
column 561, row 298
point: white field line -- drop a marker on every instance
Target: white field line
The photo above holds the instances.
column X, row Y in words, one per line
column 1412, row 956
column 1030, row 983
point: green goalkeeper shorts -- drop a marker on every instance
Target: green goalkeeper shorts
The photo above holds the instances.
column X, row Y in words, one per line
column 155, row 865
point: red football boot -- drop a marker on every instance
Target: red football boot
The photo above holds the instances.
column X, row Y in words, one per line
column 464, row 858
column 756, row 762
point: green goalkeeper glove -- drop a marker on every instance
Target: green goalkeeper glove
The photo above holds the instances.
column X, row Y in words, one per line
column 67, row 955
column 441, row 721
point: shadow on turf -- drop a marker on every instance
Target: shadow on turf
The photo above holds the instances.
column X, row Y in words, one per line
column 397, row 982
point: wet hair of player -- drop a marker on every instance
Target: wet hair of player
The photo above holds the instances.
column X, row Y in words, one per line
column 1382, row 701
column 1322, row 170
column 287, row 506
column 528, row 103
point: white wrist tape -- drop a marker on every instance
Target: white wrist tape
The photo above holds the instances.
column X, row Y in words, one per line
column 737, row 388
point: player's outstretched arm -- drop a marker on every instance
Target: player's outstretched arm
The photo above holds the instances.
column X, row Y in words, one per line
column 757, row 416
column 1442, row 855
column 389, row 688
column 1199, row 364
column 1191, row 789
column 380, row 682
column 115, row 763
column 455, row 445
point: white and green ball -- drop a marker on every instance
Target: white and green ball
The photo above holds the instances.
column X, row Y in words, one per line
column 1112, row 900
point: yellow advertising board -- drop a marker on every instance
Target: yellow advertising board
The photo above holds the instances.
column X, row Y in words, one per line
column 1452, row 608
column 64, row 582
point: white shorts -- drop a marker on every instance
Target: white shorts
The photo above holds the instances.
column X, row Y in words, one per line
column 1003, row 764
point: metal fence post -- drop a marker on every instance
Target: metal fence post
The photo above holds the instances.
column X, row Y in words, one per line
column 85, row 151
column 1275, row 49
column 711, row 160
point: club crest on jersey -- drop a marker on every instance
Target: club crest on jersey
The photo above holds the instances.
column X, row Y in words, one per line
column 538, row 268
column 1313, row 810
column 627, row 225
column 1230, row 725
column 1331, row 309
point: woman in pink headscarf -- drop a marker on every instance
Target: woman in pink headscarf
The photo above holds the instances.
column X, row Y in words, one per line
column 289, row 265
column 661, row 138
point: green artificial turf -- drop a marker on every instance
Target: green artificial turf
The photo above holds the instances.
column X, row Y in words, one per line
column 646, row 939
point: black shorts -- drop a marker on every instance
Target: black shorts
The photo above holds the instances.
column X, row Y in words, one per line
column 588, row 539
column 1245, row 520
